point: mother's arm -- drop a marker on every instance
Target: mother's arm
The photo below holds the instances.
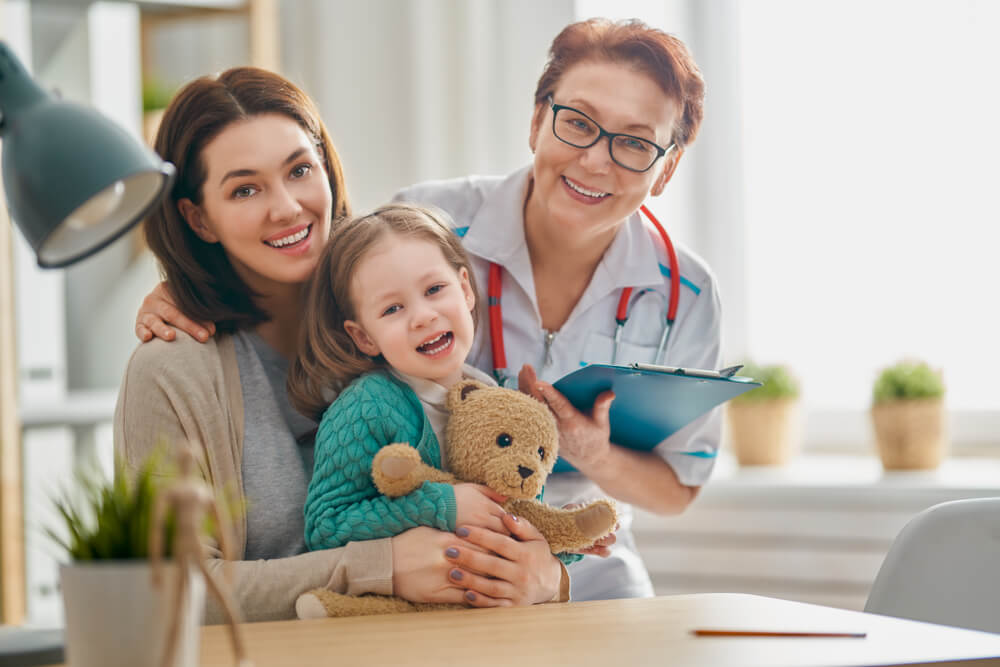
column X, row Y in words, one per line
column 179, row 391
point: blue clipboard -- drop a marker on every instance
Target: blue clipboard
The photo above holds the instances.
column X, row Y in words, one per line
column 651, row 402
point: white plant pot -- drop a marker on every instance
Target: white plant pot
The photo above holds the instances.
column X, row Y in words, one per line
column 115, row 618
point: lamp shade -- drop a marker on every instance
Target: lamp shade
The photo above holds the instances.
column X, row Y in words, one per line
column 75, row 181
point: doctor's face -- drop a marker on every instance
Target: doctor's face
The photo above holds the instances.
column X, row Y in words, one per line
column 581, row 192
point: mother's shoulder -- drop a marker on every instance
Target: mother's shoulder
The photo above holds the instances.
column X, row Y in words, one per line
column 184, row 353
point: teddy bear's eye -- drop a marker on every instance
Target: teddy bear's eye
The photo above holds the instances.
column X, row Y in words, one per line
column 504, row 440
column 541, row 453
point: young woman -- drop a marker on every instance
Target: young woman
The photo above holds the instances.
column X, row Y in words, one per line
column 258, row 187
column 616, row 106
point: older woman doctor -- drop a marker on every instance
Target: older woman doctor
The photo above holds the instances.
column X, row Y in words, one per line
column 560, row 240
column 559, row 243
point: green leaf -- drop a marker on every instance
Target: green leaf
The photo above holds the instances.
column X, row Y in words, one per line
column 778, row 382
column 908, row 379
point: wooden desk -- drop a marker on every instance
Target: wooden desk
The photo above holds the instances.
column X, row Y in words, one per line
column 618, row 633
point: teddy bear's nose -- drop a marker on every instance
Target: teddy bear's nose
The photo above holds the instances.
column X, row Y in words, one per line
column 525, row 472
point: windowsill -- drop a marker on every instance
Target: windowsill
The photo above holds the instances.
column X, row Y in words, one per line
column 822, row 482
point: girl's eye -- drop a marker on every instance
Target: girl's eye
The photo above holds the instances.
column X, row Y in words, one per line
column 434, row 289
column 541, row 453
column 301, row 170
column 391, row 309
column 244, row 191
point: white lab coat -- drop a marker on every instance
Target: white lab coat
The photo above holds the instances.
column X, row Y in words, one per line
column 488, row 213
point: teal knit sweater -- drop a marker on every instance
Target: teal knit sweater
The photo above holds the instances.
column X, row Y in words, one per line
column 343, row 505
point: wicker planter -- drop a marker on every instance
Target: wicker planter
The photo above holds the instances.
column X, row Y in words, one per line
column 764, row 432
column 910, row 434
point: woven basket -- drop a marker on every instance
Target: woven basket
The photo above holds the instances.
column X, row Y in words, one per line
column 764, row 432
column 910, row 434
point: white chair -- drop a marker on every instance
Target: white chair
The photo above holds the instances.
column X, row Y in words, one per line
column 944, row 567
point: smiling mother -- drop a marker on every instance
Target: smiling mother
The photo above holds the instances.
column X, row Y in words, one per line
column 259, row 185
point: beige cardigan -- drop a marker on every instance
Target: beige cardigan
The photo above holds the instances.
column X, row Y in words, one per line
column 186, row 390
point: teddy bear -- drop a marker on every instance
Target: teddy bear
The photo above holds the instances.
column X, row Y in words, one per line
column 497, row 437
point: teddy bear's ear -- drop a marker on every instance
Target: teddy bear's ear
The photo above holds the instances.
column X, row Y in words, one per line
column 461, row 391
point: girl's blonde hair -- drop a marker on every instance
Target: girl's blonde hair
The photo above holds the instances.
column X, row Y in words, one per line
column 327, row 358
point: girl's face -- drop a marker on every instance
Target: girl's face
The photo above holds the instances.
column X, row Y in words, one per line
column 581, row 192
column 413, row 308
column 266, row 199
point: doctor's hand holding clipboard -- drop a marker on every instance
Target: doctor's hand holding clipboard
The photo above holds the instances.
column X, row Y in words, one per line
column 653, row 402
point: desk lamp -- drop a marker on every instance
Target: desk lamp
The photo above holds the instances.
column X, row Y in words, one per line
column 74, row 180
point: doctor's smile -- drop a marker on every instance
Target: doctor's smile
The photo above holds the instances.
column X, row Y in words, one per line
column 584, row 194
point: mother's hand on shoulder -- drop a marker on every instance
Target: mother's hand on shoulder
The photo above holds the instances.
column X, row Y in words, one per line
column 584, row 440
column 159, row 316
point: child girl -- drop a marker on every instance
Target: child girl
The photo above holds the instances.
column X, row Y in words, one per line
column 390, row 315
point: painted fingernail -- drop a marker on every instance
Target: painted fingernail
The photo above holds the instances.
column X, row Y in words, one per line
column 451, row 552
column 456, row 574
column 202, row 335
column 512, row 517
column 470, row 596
column 462, row 531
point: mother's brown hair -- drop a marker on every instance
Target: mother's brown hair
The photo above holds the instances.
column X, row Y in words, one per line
column 201, row 279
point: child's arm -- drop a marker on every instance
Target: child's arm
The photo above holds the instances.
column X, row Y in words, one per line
column 343, row 504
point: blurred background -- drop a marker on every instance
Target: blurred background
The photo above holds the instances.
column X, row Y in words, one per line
column 839, row 188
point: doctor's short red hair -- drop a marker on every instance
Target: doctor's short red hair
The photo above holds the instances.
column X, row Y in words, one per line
column 661, row 56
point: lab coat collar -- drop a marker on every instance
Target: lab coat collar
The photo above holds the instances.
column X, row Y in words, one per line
column 497, row 235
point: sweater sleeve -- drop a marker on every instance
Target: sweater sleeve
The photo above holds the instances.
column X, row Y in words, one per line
column 175, row 392
column 343, row 503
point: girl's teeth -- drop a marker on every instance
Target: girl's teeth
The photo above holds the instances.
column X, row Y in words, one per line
column 584, row 191
column 288, row 240
column 436, row 345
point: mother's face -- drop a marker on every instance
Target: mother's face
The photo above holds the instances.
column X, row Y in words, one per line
column 266, row 198
column 582, row 191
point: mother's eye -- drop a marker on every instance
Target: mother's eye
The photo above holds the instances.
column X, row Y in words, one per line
column 301, row 170
column 504, row 440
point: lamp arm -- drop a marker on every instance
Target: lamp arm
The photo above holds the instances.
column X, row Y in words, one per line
column 17, row 89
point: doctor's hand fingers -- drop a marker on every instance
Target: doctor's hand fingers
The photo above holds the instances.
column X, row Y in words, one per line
column 602, row 406
column 527, row 382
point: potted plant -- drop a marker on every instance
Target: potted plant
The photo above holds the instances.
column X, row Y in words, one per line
column 114, row 614
column 763, row 423
column 908, row 416
column 156, row 95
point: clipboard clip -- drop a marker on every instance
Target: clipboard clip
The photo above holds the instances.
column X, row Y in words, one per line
column 730, row 371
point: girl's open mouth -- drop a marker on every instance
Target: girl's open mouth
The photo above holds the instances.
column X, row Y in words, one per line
column 437, row 345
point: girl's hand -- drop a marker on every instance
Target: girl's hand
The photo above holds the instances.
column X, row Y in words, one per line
column 502, row 571
column 478, row 505
column 584, row 440
column 158, row 310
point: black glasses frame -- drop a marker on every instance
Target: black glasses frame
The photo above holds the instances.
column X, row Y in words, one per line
column 601, row 133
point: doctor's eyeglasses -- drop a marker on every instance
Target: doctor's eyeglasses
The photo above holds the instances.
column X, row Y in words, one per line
column 577, row 129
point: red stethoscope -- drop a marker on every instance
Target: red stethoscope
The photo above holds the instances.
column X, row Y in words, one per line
column 621, row 315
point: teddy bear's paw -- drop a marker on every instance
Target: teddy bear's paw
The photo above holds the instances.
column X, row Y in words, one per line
column 308, row 605
column 597, row 520
column 397, row 467
column 396, row 461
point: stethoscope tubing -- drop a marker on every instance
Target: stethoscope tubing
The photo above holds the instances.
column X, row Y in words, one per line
column 494, row 293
